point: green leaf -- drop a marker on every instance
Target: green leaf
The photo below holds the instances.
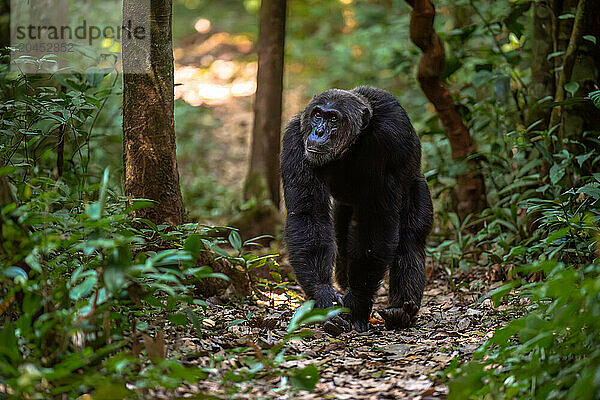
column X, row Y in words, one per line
column 83, row 289
column 137, row 204
column 8, row 344
column 15, row 272
column 9, row 169
column 467, row 382
column 306, row 315
column 454, row 219
column 591, row 189
column 555, row 54
column 236, row 322
column 216, row 249
column 96, row 209
column 481, row 78
column 556, row 173
column 235, row 240
column 178, row 319
column 187, row 373
column 32, row 302
column 252, row 241
column 305, row 378
column 554, row 236
column 572, row 87
column 566, row 16
column 194, row 245
column 595, row 97
column 114, row 278
column 107, row 391
column 497, row 294
column 591, row 38
column 193, row 317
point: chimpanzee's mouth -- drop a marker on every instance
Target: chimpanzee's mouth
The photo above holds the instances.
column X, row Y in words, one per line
column 315, row 150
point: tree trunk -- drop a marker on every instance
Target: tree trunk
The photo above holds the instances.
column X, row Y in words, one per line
column 579, row 63
column 149, row 157
column 470, row 192
column 4, row 23
column 564, row 76
column 542, row 78
column 262, row 181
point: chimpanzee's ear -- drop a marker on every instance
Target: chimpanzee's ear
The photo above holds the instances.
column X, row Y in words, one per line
column 366, row 117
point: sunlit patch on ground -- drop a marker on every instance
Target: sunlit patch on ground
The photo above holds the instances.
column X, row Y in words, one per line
column 289, row 299
column 216, row 84
column 219, row 70
column 209, row 69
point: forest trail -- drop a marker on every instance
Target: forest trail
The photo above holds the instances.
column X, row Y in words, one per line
column 216, row 69
column 378, row 364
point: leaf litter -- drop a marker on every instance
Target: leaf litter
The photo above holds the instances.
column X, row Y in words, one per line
column 378, row 364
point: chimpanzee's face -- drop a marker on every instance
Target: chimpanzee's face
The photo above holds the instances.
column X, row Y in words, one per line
column 331, row 124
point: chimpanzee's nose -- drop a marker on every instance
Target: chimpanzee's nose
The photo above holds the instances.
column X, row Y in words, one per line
column 317, row 138
column 319, row 131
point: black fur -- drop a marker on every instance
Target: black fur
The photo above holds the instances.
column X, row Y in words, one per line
column 365, row 153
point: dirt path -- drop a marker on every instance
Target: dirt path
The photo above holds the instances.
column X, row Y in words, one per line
column 378, row 364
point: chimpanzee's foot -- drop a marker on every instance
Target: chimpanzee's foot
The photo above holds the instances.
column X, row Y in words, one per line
column 337, row 325
column 360, row 325
column 399, row 317
column 343, row 323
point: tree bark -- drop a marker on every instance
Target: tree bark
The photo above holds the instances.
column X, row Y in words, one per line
column 470, row 192
column 566, row 71
column 542, row 78
column 262, row 181
column 149, row 149
column 579, row 63
column 4, row 23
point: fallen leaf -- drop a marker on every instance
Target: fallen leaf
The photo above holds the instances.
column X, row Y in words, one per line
column 155, row 347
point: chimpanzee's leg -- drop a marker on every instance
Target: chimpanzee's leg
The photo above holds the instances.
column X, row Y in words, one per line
column 407, row 272
column 342, row 214
column 371, row 248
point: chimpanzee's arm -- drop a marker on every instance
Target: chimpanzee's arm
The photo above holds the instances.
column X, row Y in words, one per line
column 309, row 232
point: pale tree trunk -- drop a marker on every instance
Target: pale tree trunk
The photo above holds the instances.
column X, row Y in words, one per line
column 262, row 181
column 149, row 158
column 470, row 192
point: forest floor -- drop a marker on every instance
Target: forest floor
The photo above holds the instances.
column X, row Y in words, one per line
column 379, row 364
column 216, row 69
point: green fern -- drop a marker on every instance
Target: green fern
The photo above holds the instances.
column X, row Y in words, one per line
column 595, row 97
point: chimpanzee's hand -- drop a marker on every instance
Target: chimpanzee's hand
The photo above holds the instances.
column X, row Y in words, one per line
column 326, row 297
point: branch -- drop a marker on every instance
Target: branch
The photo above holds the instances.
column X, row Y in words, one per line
column 430, row 70
column 470, row 191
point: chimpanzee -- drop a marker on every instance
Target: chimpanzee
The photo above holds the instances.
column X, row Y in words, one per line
column 359, row 147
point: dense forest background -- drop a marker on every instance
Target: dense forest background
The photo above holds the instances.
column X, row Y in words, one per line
column 141, row 217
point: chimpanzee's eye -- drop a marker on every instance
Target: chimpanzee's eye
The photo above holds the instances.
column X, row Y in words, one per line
column 318, row 116
column 334, row 119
